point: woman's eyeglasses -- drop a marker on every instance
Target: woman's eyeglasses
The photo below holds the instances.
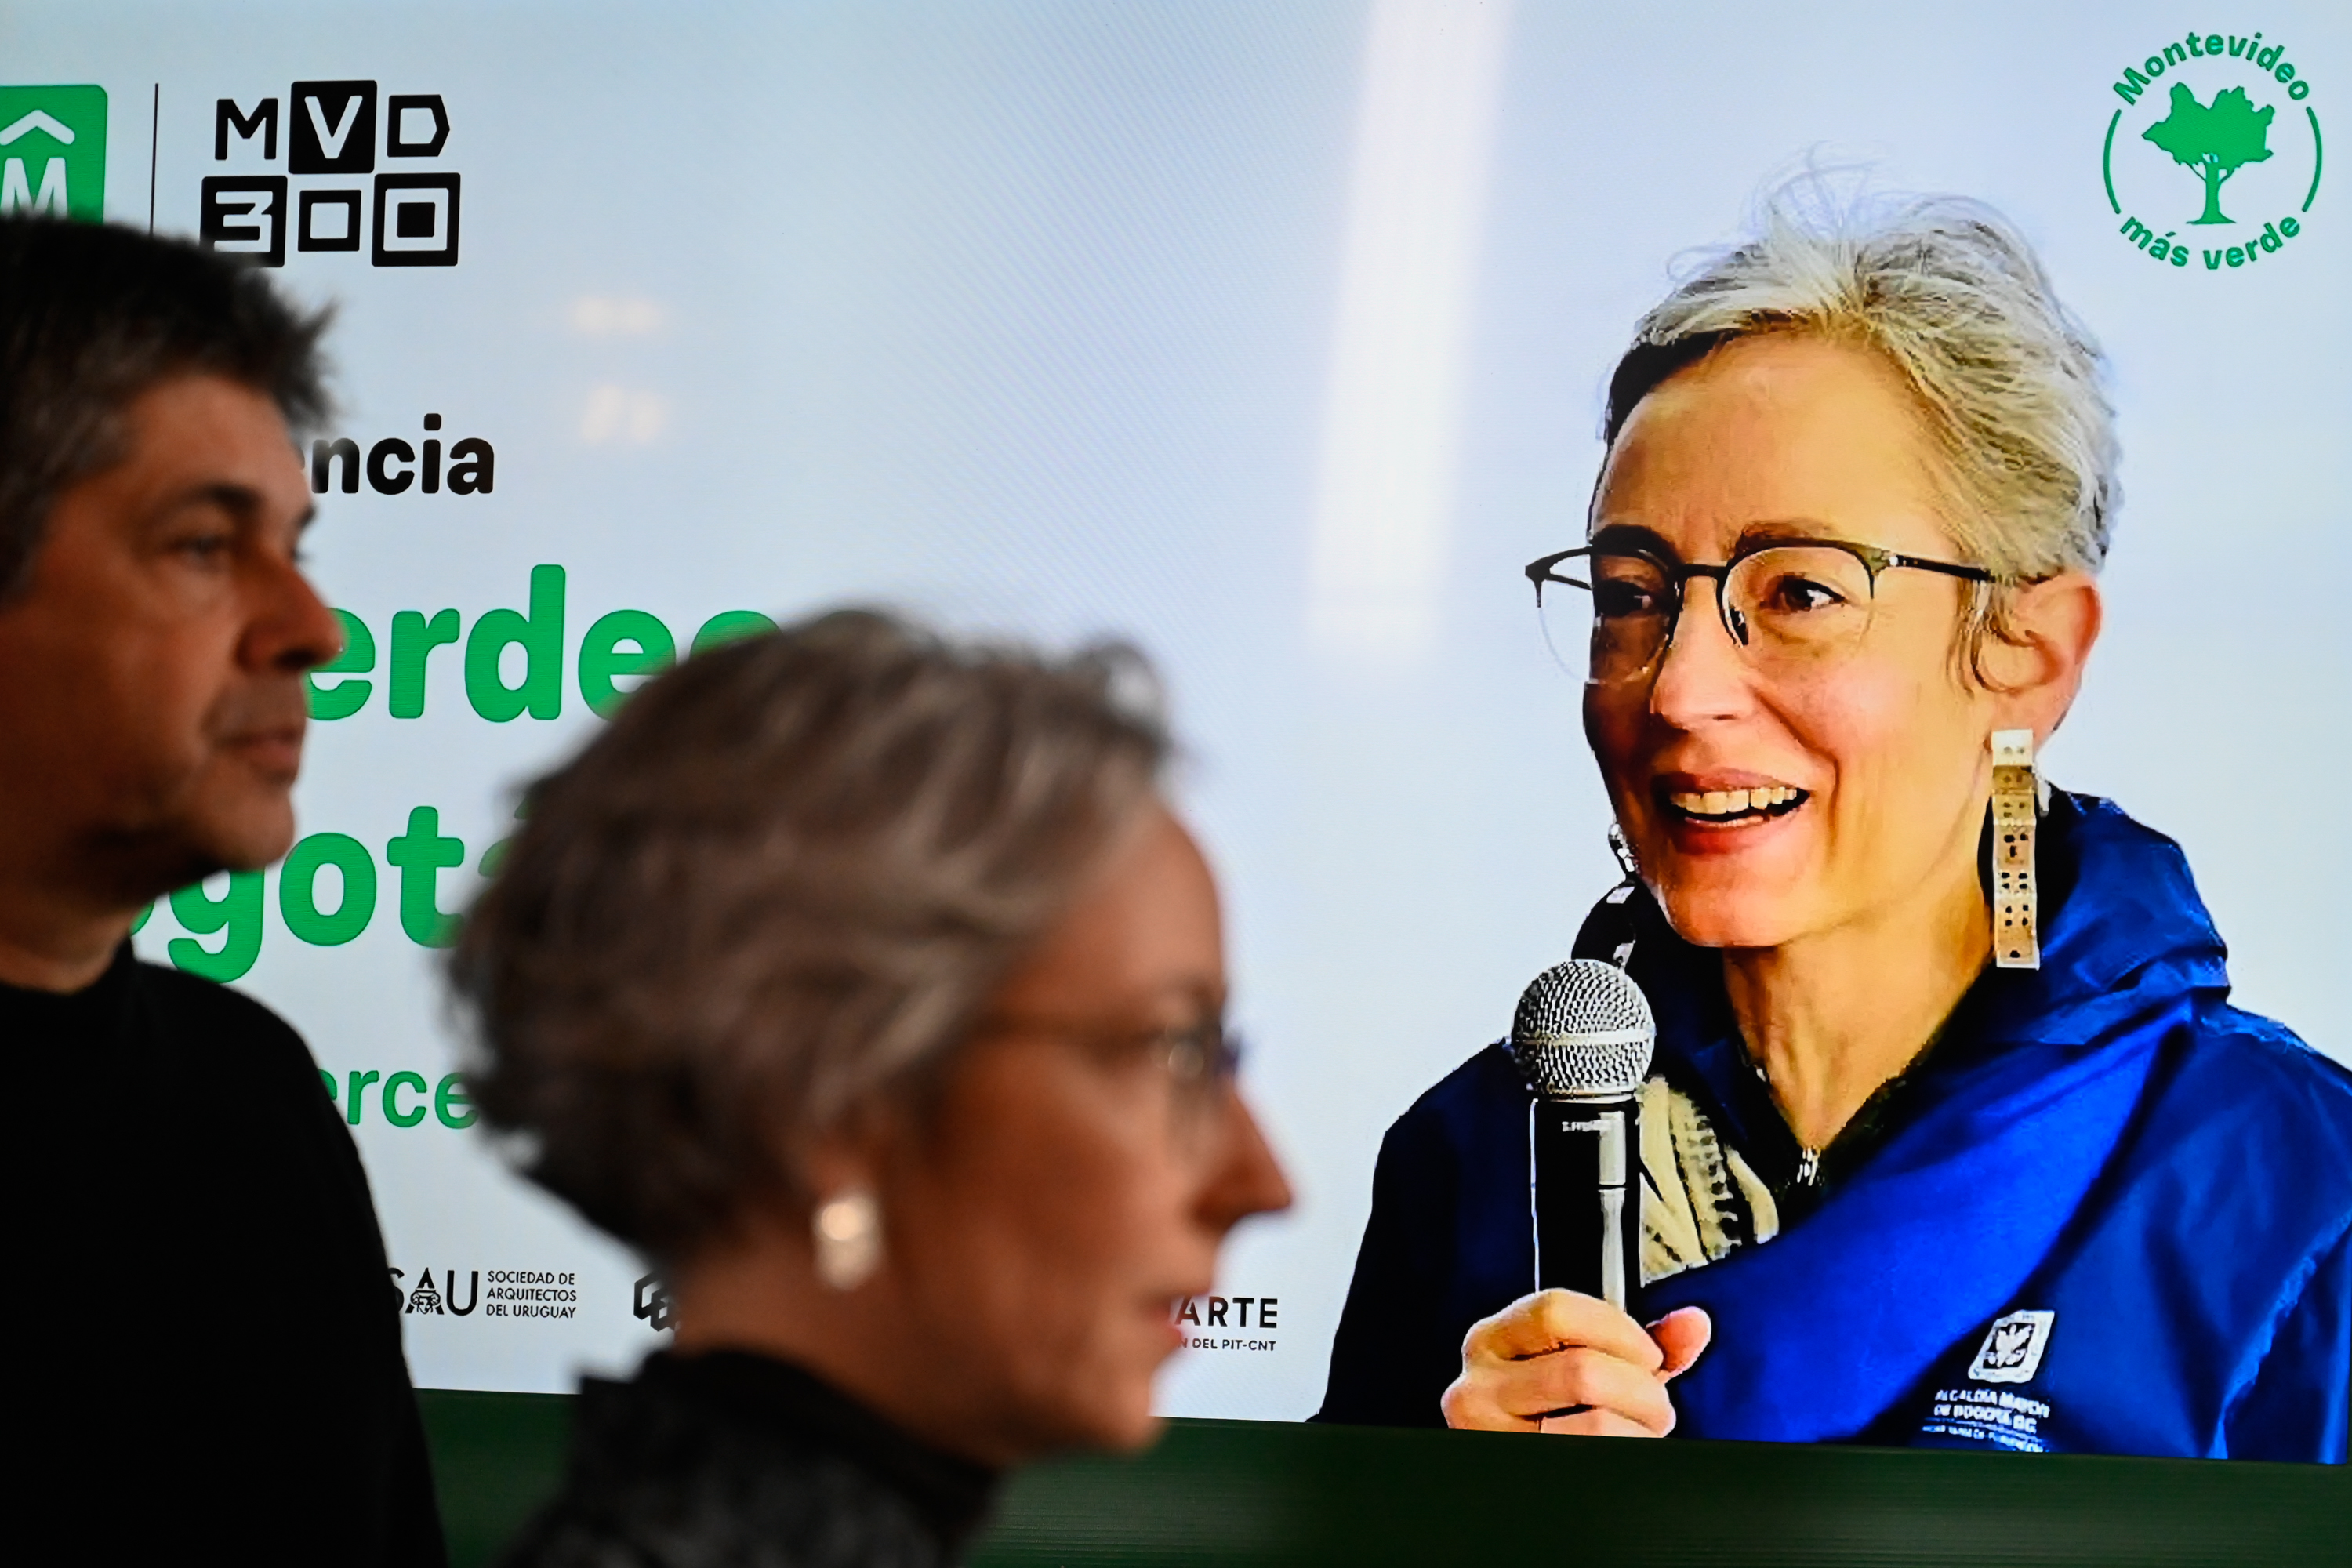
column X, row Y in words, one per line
column 1201, row 1056
column 1794, row 605
column 1197, row 1060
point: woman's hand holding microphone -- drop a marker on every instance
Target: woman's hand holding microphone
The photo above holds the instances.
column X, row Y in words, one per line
column 1559, row 1361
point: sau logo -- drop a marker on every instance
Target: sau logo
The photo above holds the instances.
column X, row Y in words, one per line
column 2012, row 1352
column 332, row 133
column 2213, row 162
column 429, row 1300
column 53, row 151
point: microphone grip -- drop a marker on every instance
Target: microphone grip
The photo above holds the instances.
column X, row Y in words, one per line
column 1585, row 1182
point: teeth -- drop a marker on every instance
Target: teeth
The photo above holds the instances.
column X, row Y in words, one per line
column 1733, row 802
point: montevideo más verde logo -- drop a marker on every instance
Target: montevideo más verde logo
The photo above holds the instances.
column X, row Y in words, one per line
column 2213, row 162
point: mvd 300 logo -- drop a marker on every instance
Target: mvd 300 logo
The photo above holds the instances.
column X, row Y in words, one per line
column 2213, row 162
column 331, row 132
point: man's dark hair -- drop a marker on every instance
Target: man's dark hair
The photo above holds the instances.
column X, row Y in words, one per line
column 91, row 316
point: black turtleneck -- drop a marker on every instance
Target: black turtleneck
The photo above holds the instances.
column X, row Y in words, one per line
column 206, row 1362
column 732, row 1460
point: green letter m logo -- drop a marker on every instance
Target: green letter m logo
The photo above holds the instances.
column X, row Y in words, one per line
column 53, row 151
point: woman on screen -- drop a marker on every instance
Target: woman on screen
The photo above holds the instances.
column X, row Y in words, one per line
column 1952, row 1137
column 866, row 983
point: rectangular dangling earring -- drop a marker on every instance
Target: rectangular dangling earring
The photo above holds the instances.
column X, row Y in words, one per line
column 2016, row 797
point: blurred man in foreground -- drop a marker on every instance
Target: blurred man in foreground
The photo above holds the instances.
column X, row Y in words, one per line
column 207, row 1359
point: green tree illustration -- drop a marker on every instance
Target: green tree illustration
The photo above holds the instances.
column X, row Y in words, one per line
column 2216, row 140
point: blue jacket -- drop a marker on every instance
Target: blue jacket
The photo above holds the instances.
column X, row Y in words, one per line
column 2107, row 1213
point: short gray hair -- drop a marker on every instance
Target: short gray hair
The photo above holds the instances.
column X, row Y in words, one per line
column 2008, row 382
column 778, row 889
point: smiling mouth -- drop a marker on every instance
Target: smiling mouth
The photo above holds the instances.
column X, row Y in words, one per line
column 1733, row 807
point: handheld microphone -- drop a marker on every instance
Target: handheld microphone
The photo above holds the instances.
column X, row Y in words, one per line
column 1582, row 1037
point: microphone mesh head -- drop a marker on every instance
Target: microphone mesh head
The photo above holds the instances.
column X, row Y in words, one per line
column 1583, row 1031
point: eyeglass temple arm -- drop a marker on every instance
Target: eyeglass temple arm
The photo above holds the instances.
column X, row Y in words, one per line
column 1948, row 568
column 1540, row 570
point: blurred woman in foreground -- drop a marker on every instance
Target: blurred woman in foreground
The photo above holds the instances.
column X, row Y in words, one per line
column 869, row 985
column 1954, row 1139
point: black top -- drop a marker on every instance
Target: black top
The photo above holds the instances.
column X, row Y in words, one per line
column 730, row 1460
column 205, row 1364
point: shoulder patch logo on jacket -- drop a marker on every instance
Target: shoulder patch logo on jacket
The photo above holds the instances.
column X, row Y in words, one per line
column 2012, row 1352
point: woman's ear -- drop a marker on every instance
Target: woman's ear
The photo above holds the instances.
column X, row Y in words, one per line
column 2034, row 672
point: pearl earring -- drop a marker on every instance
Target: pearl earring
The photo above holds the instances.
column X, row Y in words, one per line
column 847, row 1229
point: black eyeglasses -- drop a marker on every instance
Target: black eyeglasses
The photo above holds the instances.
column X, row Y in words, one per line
column 1794, row 605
